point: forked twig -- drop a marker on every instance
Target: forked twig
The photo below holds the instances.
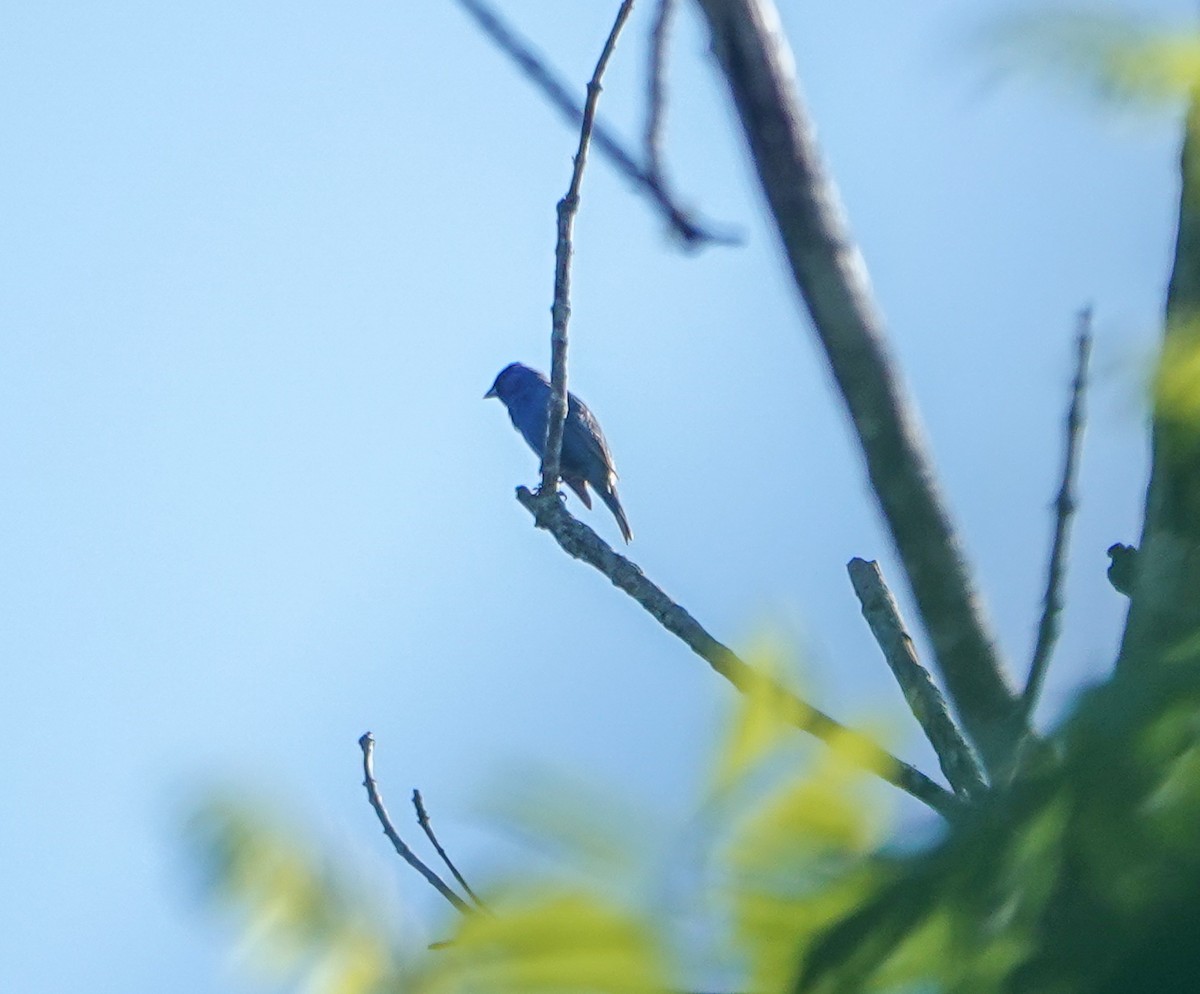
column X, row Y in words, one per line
column 828, row 269
column 579, row 541
column 423, row 821
column 367, row 743
column 568, row 207
column 690, row 231
column 1064, row 510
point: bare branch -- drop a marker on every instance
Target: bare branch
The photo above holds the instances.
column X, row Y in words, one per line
column 955, row 755
column 690, row 231
column 556, row 415
column 656, row 102
column 580, row 542
column 367, row 744
column 1064, row 510
column 423, row 821
column 831, row 275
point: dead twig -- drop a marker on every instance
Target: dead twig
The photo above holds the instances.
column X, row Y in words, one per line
column 1064, row 510
column 423, row 821
column 367, row 744
column 656, row 101
column 955, row 755
column 690, row 231
column 560, row 312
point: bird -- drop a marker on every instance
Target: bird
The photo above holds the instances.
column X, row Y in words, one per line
column 585, row 456
column 1122, row 564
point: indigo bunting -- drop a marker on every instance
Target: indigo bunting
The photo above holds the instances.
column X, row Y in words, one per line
column 585, row 457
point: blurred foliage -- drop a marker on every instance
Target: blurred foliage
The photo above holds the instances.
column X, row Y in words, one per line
column 1115, row 52
column 546, row 940
column 760, row 727
column 1081, row 877
column 582, row 830
column 1176, row 384
column 303, row 916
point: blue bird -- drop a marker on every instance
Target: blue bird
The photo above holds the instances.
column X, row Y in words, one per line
column 585, row 457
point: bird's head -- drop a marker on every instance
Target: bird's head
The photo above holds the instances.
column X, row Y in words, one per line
column 513, row 379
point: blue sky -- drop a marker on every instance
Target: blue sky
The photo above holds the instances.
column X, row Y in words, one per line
column 259, row 263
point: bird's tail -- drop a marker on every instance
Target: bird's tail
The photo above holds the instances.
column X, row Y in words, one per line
column 609, row 496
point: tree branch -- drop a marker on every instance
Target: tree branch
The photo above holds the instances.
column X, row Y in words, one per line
column 579, row 541
column 955, row 755
column 367, row 744
column 1064, row 510
column 1164, row 611
column 423, row 821
column 561, row 310
column 656, row 101
column 691, row 232
column 831, row 275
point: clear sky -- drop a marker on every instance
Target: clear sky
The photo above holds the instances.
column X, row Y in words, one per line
column 258, row 265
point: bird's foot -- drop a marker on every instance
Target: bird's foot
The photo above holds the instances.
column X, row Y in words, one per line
column 540, row 492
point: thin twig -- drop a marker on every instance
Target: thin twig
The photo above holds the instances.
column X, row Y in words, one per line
column 955, row 755
column 580, row 542
column 568, row 207
column 656, row 101
column 1064, row 510
column 691, row 232
column 423, row 821
column 367, row 743
column 829, row 271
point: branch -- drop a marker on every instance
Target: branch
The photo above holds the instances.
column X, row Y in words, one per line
column 831, row 275
column 367, row 743
column 561, row 310
column 1164, row 611
column 580, row 542
column 423, row 821
column 955, row 755
column 691, row 232
column 656, row 96
column 1064, row 510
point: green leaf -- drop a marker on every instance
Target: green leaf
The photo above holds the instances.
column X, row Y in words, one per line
column 302, row 919
column 548, row 941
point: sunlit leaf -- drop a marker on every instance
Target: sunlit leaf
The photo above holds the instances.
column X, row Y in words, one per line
column 761, row 721
column 301, row 919
column 797, row 863
column 551, row 941
column 811, row 814
column 1177, row 378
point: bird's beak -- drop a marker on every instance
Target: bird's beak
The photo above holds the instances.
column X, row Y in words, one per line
column 490, row 393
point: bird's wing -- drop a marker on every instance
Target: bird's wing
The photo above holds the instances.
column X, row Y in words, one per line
column 579, row 485
column 585, row 441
